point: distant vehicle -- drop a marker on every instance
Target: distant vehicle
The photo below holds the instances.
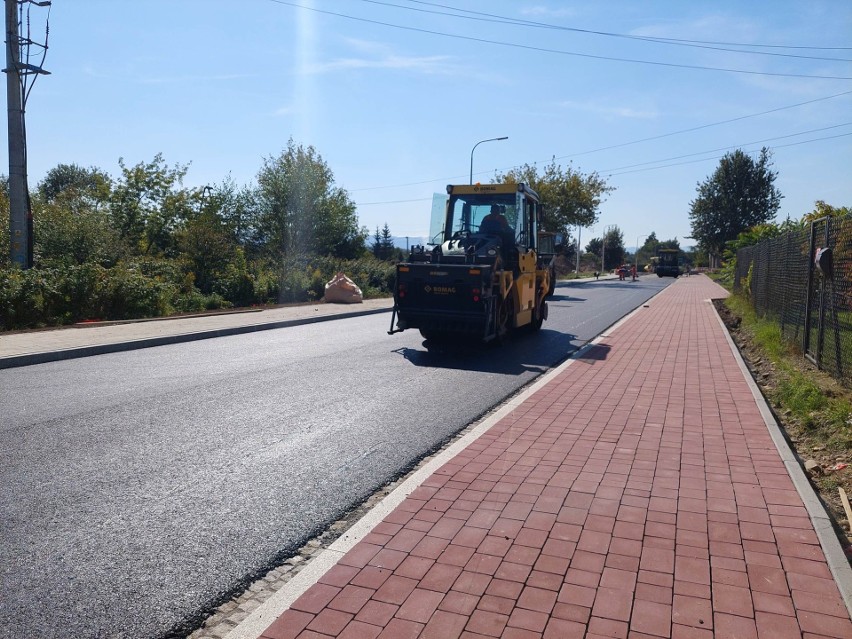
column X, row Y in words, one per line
column 484, row 275
column 667, row 262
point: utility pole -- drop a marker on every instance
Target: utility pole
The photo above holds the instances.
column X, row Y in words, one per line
column 606, row 232
column 579, row 230
column 17, row 71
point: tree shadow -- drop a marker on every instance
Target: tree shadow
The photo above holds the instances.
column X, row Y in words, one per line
column 596, row 353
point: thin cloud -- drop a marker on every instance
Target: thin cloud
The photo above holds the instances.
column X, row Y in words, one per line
column 629, row 112
column 428, row 64
column 540, row 11
column 182, row 79
column 193, row 78
column 373, row 55
column 709, row 27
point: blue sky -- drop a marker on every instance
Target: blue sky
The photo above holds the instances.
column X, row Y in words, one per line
column 396, row 110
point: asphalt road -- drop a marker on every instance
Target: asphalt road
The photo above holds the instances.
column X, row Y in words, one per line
column 140, row 488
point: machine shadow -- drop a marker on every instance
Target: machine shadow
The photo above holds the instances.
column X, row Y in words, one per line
column 521, row 353
column 564, row 297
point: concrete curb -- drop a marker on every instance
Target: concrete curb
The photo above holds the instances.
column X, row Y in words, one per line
column 834, row 555
column 29, row 359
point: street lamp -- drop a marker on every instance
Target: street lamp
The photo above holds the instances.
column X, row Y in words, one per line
column 579, row 231
column 505, row 137
column 207, row 189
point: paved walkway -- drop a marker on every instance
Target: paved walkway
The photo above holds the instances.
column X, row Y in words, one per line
column 636, row 495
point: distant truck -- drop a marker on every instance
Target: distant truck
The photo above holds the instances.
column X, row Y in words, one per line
column 483, row 275
column 667, row 263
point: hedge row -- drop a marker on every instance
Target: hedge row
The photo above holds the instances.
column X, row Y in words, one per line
column 65, row 294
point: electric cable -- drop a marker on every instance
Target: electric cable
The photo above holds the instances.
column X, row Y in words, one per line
column 488, row 17
column 562, row 52
column 624, row 144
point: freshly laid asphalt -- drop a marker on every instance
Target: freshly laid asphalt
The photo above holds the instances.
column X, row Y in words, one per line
column 641, row 490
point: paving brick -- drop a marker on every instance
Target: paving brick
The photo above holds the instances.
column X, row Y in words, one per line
column 733, row 626
column 692, row 611
column 772, row 626
column 651, row 618
column 528, row 620
column 564, row 629
column 316, row 598
column 330, row 622
column 395, row 590
column 734, row 600
column 824, row 624
column 376, row 613
column 401, row 629
column 444, row 625
column 288, row 625
column 611, row 603
column 351, row 599
column 490, row 624
column 360, row 630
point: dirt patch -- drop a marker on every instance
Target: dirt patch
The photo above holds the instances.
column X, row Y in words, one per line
column 824, row 462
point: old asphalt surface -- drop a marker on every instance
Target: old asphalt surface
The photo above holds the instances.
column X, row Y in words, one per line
column 641, row 490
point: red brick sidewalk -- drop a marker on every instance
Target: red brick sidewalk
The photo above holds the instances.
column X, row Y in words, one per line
column 637, row 495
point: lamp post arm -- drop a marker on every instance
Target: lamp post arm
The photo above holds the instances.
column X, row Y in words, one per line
column 505, row 137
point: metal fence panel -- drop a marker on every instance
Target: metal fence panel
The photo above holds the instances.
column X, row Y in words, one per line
column 813, row 306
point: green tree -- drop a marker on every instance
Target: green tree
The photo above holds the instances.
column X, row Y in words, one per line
column 207, row 245
column 149, row 203
column 821, row 210
column 301, row 212
column 594, row 246
column 740, row 194
column 651, row 244
column 76, row 186
column 383, row 247
column 377, row 245
column 71, row 222
column 64, row 234
column 613, row 248
column 569, row 197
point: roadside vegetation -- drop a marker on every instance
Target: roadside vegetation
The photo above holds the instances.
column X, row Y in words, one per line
column 813, row 408
column 142, row 244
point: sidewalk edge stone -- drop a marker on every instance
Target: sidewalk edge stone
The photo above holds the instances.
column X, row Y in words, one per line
column 834, row 555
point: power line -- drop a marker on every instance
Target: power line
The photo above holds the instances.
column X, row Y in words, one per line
column 633, row 168
column 562, row 52
column 727, row 148
column 419, row 199
column 624, row 144
column 498, row 19
column 777, row 146
column 702, row 126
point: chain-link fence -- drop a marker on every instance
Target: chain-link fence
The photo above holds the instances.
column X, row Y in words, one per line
column 803, row 280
